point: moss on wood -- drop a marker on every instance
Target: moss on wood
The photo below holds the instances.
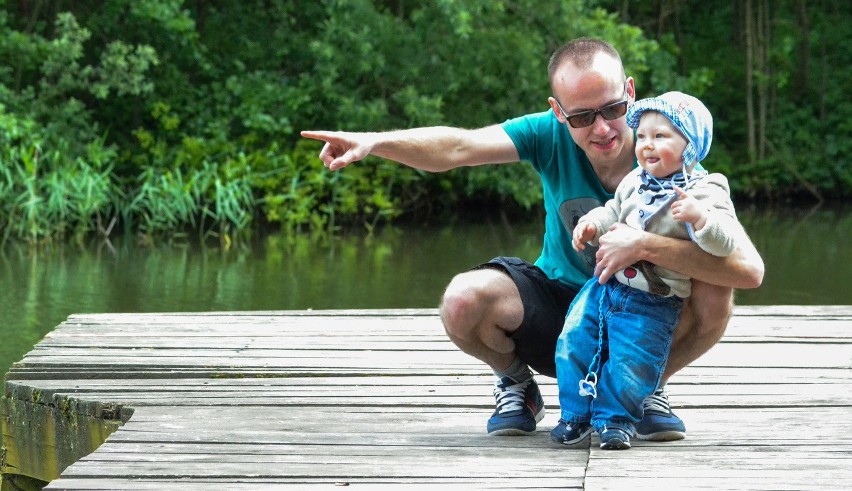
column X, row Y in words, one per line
column 43, row 435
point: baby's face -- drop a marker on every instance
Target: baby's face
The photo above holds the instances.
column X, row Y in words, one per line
column 659, row 145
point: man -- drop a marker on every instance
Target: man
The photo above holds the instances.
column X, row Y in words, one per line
column 509, row 313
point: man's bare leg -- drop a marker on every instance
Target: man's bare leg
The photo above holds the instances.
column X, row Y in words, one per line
column 702, row 323
column 480, row 310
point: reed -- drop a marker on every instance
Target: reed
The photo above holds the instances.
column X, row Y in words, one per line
column 215, row 202
column 45, row 202
column 45, row 198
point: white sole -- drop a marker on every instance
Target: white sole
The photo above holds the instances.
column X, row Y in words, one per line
column 662, row 436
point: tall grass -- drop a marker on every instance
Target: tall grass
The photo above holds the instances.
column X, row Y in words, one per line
column 212, row 202
column 42, row 202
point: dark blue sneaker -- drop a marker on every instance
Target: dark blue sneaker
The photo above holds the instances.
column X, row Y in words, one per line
column 570, row 433
column 519, row 407
column 615, row 438
column 659, row 423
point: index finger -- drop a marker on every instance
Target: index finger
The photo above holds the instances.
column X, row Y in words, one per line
column 316, row 135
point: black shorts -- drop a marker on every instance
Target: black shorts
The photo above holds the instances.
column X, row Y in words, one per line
column 546, row 302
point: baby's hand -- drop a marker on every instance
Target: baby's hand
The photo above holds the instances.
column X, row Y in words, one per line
column 687, row 209
column 582, row 234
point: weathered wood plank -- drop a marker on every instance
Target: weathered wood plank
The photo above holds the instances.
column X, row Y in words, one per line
column 809, row 398
column 462, row 396
column 681, row 383
column 262, row 484
column 759, row 427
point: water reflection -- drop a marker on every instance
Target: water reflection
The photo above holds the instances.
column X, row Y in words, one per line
column 806, row 255
column 806, row 252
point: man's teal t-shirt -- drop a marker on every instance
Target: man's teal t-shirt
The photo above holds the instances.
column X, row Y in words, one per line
column 571, row 188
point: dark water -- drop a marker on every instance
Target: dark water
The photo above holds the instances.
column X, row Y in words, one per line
column 806, row 254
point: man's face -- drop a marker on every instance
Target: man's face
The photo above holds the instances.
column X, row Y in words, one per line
column 602, row 84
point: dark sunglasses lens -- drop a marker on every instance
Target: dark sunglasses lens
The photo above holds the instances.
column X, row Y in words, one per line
column 614, row 111
column 582, row 120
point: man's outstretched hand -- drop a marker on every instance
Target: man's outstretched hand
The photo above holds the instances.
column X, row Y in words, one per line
column 341, row 148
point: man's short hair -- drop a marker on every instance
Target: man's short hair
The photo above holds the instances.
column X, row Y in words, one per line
column 580, row 52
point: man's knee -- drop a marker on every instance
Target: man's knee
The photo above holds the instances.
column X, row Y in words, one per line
column 469, row 301
column 457, row 306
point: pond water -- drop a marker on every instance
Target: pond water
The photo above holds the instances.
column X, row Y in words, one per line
column 806, row 254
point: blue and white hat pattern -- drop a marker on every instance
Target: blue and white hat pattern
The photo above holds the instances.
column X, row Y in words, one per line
column 687, row 114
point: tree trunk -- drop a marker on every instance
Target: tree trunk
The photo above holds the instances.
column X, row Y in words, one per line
column 678, row 35
column 764, row 40
column 823, row 80
column 749, row 78
column 663, row 13
column 803, row 61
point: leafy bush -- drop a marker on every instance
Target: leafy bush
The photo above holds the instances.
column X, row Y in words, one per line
column 168, row 118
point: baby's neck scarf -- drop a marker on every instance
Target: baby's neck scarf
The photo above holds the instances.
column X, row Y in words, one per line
column 658, row 193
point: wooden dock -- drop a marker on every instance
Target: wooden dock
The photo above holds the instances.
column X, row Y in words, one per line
column 272, row 400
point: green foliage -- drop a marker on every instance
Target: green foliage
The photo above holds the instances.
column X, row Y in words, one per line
column 44, row 195
column 176, row 117
column 806, row 145
column 322, row 202
column 216, row 200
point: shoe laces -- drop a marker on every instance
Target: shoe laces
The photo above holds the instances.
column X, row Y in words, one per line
column 626, row 429
column 511, row 397
column 615, row 432
column 658, row 401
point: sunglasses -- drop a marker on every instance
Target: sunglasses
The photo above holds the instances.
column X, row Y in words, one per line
column 587, row 118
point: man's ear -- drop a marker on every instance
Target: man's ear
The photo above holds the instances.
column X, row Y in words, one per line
column 555, row 107
column 631, row 89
